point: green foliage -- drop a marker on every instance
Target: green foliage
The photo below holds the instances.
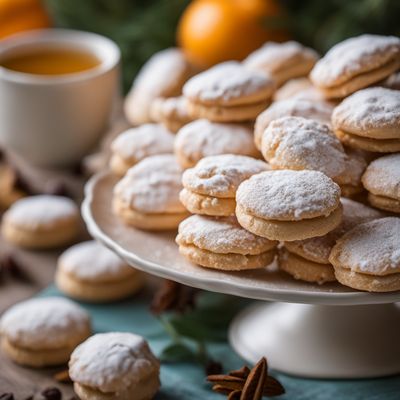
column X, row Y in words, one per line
column 140, row 27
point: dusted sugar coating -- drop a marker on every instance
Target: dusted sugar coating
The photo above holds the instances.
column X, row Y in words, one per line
column 221, row 235
column 282, row 60
column 298, row 143
column 146, row 140
column 382, row 176
column 228, row 83
column 353, row 57
column 93, row 262
column 288, row 195
column 370, row 248
column 202, row 138
column 372, row 112
column 318, row 249
column 41, row 211
column 220, row 175
column 45, row 323
column 152, row 186
column 112, row 362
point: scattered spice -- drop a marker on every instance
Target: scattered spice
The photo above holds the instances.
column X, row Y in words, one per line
column 246, row 384
column 52, row 393
column 6, row 396
column 172, row 296
column 19, row 181
column 10, row 266
column 63, row 376
column 213, row 367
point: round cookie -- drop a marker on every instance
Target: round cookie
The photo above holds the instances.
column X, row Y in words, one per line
column 221, row 243
column 116, row 365
column 317, row 110
column 282, row 61
column 135, row 144
column 382, row 180
column 367, row 257
column 289, row 205
column 293, row 87
column 298, row 143
column 370, row 120
column 43, row 332
column 41, row 222
column 228, row 92
column 209, row 188
column 91, row 272
column 308, row 259
column 147, row 197
column 202, row 138
column 171, row 112
column 163, row 75
column 355, row 64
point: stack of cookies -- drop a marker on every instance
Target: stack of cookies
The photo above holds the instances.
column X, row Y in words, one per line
column 268, row 153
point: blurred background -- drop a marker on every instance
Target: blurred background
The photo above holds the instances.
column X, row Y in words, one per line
column 209, row 31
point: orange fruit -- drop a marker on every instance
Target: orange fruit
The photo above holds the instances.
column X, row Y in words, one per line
column 212, row 31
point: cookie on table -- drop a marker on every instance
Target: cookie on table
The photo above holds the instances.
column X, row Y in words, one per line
column 356, row 63
column 382, row 180
column 163, row 75
column 350, row 179
column 221, row 243
column 41, row 222
column 298, row 143
column 91, row 272
column 308, row 260
column 43, row 332
column 202, row 138
column 289, row 205
column 367, row 257
column 116, row 365
column 135, row 144
column 317, row 110
column 369, row 120
column 228, row 92
column 147, row 197
column 210, row 187
column 171, row 112
column 282, row 61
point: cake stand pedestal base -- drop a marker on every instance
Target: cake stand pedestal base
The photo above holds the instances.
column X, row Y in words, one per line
column 316, row 341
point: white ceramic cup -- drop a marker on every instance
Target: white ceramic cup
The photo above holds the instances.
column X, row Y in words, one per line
column 53, row 121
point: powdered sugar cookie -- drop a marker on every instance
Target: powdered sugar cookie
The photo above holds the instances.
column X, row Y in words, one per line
column 316, row 110
column 356, row 63
column 171, row 112
column 116, row 365
column 228, row 92
column 210, row 186
column 43, row 332
column 382, row 180
column 308, row 259
column 282, row 61
column 289, row 205
column 91, row 272
column 202, row 138
column 40, row 222
column 147, row 197
column 299, row 143
column 368, row 256
column 221, row 243
column 370, row 120
column 135, row 144
column 163, row 75
column 292, row 87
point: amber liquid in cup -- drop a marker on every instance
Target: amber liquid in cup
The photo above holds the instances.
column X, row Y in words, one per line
column 51, row 61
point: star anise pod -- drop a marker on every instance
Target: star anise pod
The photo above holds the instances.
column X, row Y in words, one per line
column 9, row 265
column 246, row 384
column 172, row 296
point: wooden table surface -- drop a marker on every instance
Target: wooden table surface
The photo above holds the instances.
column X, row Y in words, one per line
column 39, row 266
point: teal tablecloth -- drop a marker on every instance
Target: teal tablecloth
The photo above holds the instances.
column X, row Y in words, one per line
column 184, row 381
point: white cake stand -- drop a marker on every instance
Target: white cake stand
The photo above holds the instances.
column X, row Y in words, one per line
column 330, row 332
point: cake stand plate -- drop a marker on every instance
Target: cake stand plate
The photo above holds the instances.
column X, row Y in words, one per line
column 331, row 332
